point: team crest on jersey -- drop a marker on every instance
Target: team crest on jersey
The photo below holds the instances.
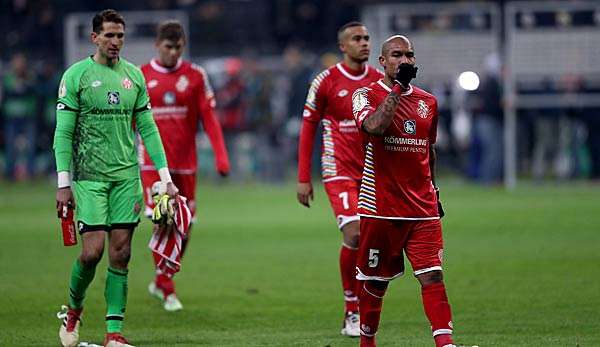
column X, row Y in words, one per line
column 62, row 90
column 182, row 84
column 169, row 98
column 410, row 127
column 422, row 109
column 127, row 84
column 96, row 84
column 152, row 84
column 114, row 98
column 342, row 93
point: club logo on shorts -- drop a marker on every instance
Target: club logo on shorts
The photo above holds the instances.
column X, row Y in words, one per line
column 342, row 93
column 96, row 84
column 137, row 208
column 113, row 98
column 127, row 84
column 422, row 109
column 410, row 127
column 60, row 106
column 80, row 226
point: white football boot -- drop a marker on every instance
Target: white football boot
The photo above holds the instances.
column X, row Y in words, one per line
column 172, row 304
column 155, row 291
column 69, row 329
column 116, row 340
column 351, row 325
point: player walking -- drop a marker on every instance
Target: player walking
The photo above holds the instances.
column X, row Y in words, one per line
column 329, row 102
column 100, row 100
column 181, row 96
column 398, row 203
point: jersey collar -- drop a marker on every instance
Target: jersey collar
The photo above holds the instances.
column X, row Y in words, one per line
column 388, row 89
column 156, row 66
column 349, row 75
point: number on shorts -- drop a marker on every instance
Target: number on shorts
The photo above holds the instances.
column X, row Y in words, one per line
column 344, row 197
column 373, row 257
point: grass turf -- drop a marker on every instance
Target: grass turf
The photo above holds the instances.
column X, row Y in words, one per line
column 522, row 269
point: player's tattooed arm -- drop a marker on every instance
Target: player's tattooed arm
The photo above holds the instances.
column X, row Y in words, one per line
column 381, row 119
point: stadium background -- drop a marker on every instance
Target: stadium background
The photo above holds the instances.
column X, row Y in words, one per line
column 522, row 254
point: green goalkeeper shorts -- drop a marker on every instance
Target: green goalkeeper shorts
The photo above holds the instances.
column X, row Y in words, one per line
column 107, row 205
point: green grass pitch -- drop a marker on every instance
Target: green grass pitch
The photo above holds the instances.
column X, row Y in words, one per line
column 522, row 269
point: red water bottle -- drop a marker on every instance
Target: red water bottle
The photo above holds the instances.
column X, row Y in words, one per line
column 68, row 227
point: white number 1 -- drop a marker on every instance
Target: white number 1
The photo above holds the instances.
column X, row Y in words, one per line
column 373, row 257
column 344, row 197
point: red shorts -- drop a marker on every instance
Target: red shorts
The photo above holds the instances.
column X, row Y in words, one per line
column 343, row 197
column 384, row 241
column 186, row 183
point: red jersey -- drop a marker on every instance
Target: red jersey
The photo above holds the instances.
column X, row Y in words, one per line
column 396, row 181
column 180, row 97
column 329, row 101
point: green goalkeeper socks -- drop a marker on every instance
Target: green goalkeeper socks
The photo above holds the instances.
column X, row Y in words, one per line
column 115, row 294
column 81, row 277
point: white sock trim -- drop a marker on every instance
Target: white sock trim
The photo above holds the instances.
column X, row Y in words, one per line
column 442, row 332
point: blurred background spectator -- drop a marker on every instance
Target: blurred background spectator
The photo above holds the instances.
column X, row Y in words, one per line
column 262, row 54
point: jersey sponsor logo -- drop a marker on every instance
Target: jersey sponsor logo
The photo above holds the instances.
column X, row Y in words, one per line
column 127, row 84
column 113, row 98
column 410, row 127
column 182, row 84
column 393, row 140
column 342, row 93
column 422, row 109
column 60, row 106
column 152, row 84
column 96, row 84
column 169, row 98
column 62, row 90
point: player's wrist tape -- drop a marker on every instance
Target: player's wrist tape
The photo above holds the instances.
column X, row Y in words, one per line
column 64, row 179
column 165, row 176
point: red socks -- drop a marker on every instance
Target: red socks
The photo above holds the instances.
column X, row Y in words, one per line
column 437, row 310
column 371, row 299
column 349, row 282
column 162, row 281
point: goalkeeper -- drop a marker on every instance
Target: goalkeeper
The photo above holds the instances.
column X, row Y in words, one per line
column 101, row 101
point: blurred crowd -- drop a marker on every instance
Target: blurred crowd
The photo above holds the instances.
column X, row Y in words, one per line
column 263, row 55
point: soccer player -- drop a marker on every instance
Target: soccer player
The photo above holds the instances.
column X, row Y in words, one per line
column 398, row 203
column 102, row 100
column 329, row 102
column 181, row 96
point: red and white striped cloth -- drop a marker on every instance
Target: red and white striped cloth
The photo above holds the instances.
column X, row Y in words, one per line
column 167, row 240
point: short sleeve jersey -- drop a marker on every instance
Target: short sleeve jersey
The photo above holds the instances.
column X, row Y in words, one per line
column 105, row 100
column 329, row 101
column 180, row 97
column 396, row 181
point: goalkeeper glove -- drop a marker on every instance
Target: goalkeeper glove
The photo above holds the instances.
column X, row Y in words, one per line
column 439, row 203
column 163, row 211
column 406, row 73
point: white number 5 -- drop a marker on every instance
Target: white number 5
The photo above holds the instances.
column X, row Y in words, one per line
column 373, row 257
column 344, row 197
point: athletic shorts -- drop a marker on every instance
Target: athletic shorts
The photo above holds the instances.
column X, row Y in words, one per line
column 383, row 243
column 343, row 197
column 107, row 205
column 186, row 183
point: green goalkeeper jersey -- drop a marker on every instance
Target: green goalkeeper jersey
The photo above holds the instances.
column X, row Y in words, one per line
column 98, row 110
